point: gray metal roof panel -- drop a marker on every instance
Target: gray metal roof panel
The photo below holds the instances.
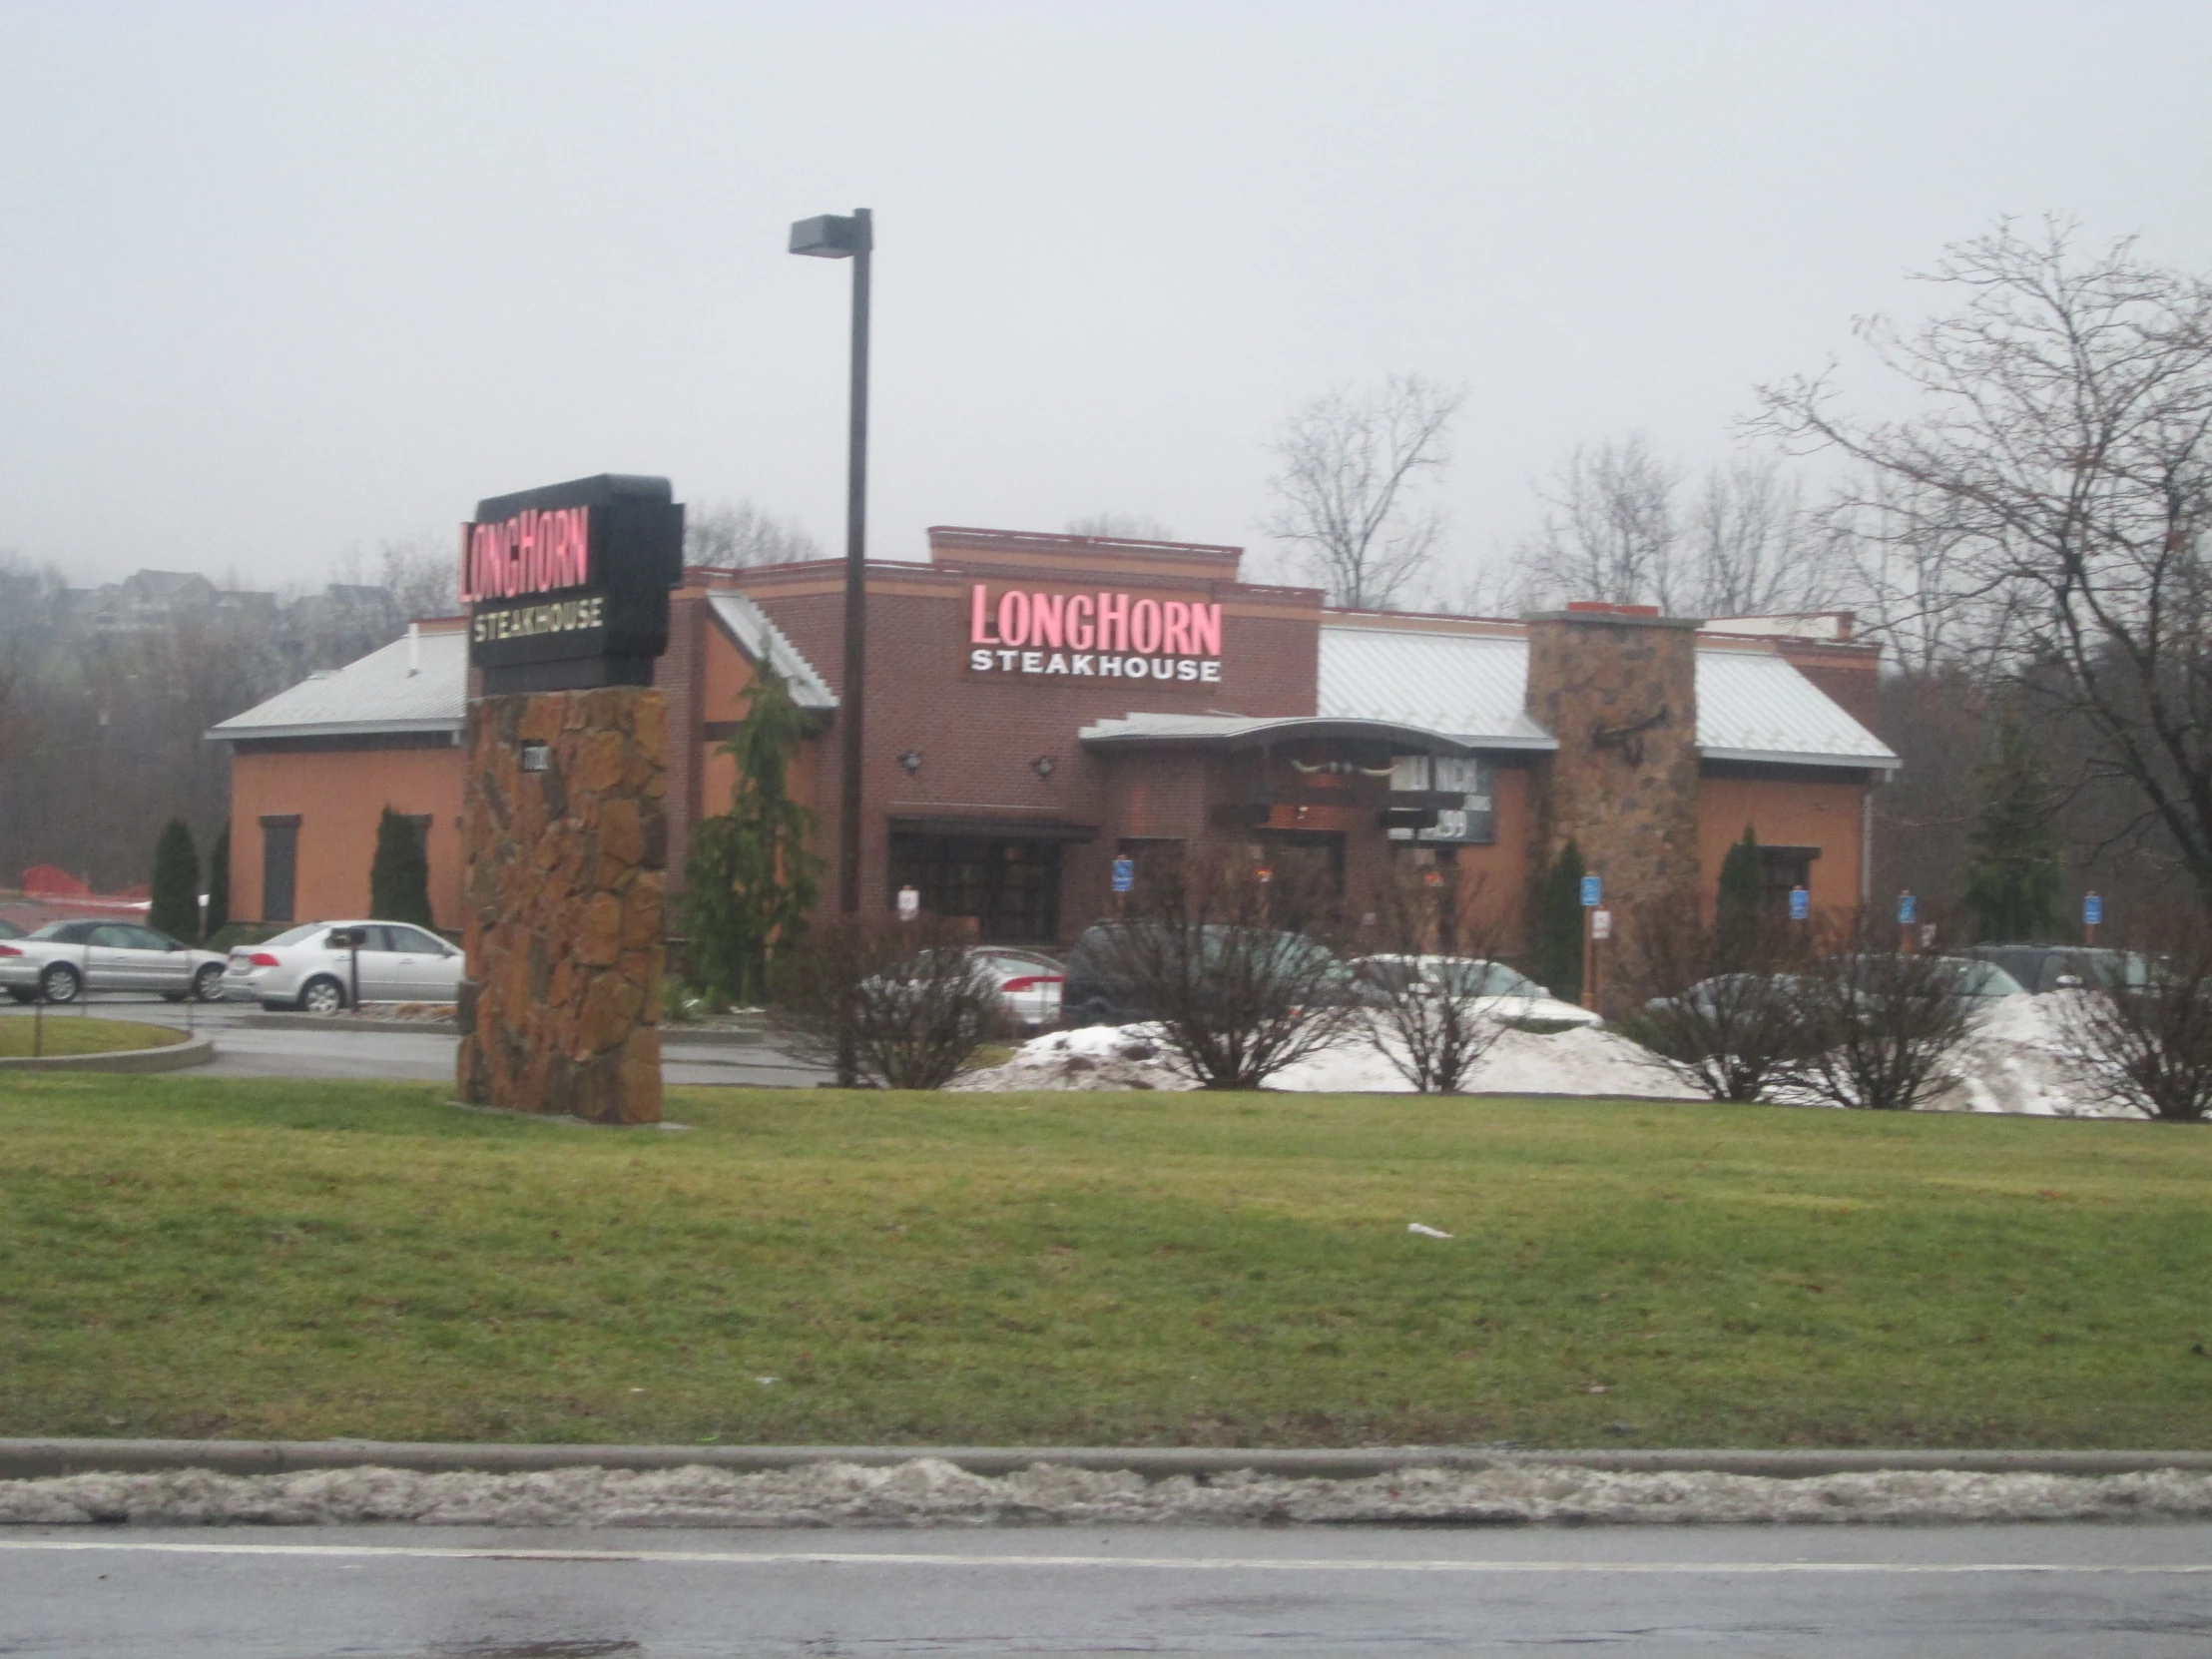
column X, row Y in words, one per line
column 1756, row 705
column 376, row 693
column 1472, row 686
column 759, row 638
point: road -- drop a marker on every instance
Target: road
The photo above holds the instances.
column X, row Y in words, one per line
column 318, row 1048
column 2114, row 1592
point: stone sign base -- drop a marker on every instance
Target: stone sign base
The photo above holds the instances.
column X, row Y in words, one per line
column 567, row 839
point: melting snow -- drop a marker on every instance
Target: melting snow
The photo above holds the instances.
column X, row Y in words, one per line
column 933, row 1493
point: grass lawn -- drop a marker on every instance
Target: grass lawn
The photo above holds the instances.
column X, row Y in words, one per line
column 77, row 1034
column 201, row 1257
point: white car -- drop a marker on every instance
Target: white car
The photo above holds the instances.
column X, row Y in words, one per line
column 1493, row 989
column 311, row 968
column 64, row 960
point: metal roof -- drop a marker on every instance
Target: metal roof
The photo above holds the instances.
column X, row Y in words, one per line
column 1472, row 687
column 376, row 693
column 1755, row 706
column 760, row 639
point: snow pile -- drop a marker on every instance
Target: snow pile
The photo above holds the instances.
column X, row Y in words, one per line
column 1094, row 1058
column 932, row 1492
column 1580, row 1061
column 2019, row 1057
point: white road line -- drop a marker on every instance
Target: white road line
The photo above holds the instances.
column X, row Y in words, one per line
column 1156, row 1563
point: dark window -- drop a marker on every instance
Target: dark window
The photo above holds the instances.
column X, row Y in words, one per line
column 280, row 866
column 1010, row 886
column 1779, row 870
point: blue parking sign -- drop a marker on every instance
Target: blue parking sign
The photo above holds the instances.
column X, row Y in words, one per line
column 1907, row 909
column 1594, row 892
column 1801, row 905
column 2092, row 910
column 1125, row 873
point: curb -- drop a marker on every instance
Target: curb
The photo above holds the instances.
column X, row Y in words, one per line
column 194, row 1051
column 265, row 1021
column 35, row 1459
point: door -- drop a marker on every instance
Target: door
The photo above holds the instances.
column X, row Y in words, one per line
column 127, row 959
column 166, row 963
column 279, row 865
column 423, row 970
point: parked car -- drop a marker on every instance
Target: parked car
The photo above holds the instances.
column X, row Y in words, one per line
column 1494, row 989
column 64, row 960
column 1096, row 995
column 1968, row 977
column 2042, row 968
column 1710, row 997
column 308, row 968
column 1029, row 982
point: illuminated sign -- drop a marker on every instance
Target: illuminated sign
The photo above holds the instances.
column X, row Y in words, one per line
column 567, row 586
column 1103, row 634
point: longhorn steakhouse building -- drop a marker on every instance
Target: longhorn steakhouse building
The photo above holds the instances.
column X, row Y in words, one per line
column 1040, row 704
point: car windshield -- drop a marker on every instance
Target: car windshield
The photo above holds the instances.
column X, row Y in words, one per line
column 68, row 932
column 1984, row 979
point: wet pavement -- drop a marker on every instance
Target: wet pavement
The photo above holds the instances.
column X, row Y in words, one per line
column 246, row 1046
column 1931, row 1592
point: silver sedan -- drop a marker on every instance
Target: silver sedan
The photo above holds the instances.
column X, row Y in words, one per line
column 64, row 960
column 317, row 968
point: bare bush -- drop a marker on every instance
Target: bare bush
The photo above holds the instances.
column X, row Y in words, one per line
column 1725, row 1007
column 2148, row 1024
column 1434, row 1016
column 905, row 999
column 1881, row 1024
column 1227, row 955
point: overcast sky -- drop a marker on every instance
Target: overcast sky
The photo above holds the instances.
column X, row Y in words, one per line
column 280, row 279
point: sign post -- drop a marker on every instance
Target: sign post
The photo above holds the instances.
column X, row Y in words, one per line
column 1907, row 912
column 909, row 902
column 1801, row 903
column 1593, row 894
column 2092, row 918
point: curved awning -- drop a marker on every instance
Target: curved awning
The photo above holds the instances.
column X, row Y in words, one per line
column 1225, row 733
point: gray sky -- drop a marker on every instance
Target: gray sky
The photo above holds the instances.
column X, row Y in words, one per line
column 277, row 280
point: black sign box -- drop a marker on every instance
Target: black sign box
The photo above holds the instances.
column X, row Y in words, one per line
column 567, row 586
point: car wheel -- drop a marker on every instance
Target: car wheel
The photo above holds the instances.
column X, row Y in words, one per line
column 207, row 984
column 60, row 984
column 323, row 996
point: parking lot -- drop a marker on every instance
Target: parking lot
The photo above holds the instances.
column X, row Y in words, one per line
column 252, row 1043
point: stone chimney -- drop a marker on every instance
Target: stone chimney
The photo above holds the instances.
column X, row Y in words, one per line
column 1617, row 686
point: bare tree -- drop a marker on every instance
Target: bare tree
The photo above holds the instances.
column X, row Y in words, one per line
column 733, row 535
column 2145, row 1020
column 906, row 1000
column 1120, row 527
column 1728, row 1015
column 1345, row 466
column 1220, row 952
column 1881, row 1025
column 2062, row 471
column 422, row 572
column 1433, row 1016
column 1611, row 527
column 1749, row 548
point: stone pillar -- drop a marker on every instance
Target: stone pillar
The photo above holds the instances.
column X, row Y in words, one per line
column 1617, row 686
column 567, row 839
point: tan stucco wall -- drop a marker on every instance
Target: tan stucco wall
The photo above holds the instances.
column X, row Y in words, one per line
column 1786, row 813
column 339, row 796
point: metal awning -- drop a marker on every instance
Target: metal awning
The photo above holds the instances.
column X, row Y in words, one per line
column 1227, row 733
column 996, row 828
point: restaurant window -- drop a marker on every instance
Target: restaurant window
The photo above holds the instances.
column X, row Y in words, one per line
column 1009, row 884
column 1779, row 870
column 279, row 865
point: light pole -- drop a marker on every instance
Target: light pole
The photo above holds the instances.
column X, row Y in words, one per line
column 835, row 237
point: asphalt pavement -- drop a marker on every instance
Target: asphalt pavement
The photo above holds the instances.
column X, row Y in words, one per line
column 445, row 1593
column 246, row 1046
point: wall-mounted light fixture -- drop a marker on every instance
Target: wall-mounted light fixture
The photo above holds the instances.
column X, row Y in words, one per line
column 911, row 759
column 1043, row 764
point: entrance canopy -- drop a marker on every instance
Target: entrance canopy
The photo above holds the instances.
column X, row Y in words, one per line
column 1227, row 734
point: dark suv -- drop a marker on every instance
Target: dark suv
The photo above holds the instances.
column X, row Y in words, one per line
column 1095, row 996
column 2060, row 967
